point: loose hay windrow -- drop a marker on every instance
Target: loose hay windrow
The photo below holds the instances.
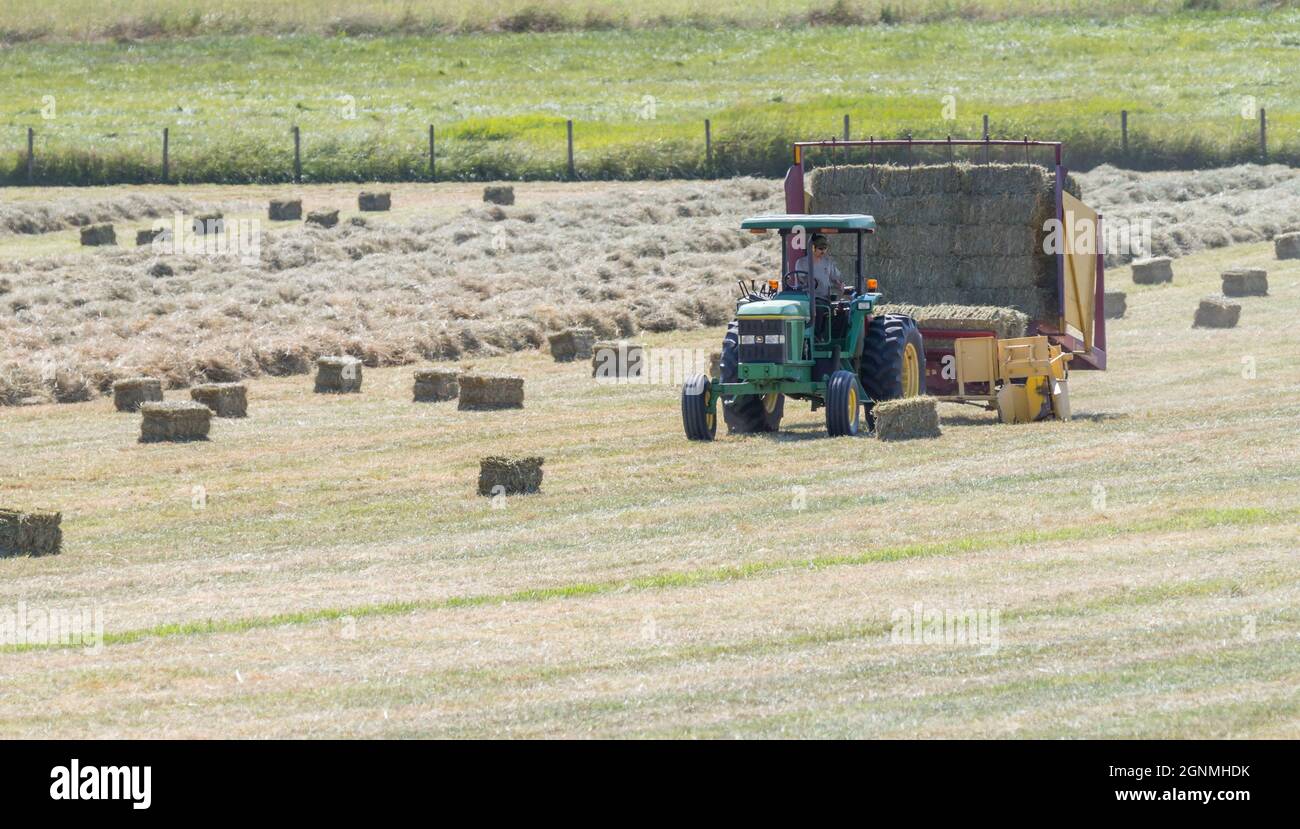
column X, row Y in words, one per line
column 174, row 420
column 130, row 393
column 491, row 391
column 1217, row 312
column 572, row 344
column 1153, row 271
column 284, row 210
column 224, row 399
column 436, row 384
column 907, row 418
column 509, row 476
column 1245, row 282
column 338, row 375
column 36, row 533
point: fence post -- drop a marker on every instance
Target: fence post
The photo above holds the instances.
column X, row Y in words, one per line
column 1263, row 134
column 569, row 128
column 166, row 160
column 708, row 146
column 846, row 126
column 297, row 155
column 31, row 153
column 1123, row 131
column 433, row 170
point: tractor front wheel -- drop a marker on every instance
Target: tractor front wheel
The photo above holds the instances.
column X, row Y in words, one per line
column 746, row 413
column 698, row 417
column 843, row 408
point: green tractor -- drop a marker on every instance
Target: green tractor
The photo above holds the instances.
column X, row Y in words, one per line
column 807, row 337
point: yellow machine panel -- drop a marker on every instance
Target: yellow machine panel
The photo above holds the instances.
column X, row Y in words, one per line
column 1082, row 246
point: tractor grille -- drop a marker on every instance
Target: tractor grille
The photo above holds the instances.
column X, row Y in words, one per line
column 762, row 341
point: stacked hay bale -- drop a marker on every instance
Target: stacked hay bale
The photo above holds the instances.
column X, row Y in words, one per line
column 130, row 393
column 499, row 194
column 617, row 360
column 950, row 234
column 1217, row 312
column 284, row 210
column 374, row 202
column 491, row 391
column 323, row 218
column 572, row 344
column 36, row 533
column 715, row 365
column 338, row 375
column 1287, row 246
column 907, row 418
column 1153, row 271
column 514, row 476
column 224, row 399
column 1004, row 322
column 147, row 236
column 174, row 420
column 436, row 384
column 95, row 235
column 1116, row 304
column 1245, row 282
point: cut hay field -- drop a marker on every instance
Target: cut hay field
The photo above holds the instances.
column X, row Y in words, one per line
column 339, row 576
column 639, row 95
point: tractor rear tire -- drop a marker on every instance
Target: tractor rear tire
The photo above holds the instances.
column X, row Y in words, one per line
column 748, row 413
column 893, row 359
column 699, row 422
column 843, row 408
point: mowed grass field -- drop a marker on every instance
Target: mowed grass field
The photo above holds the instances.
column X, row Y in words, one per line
column 1191, row 81
column 343, row 579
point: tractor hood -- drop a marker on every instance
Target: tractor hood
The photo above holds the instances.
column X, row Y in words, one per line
column 774, row 308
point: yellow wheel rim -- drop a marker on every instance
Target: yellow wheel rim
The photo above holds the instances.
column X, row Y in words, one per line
column 709, row 416
column 853, row 403
column 769, row 402
column 911, row 371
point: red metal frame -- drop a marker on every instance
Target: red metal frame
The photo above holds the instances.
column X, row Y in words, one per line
column 1095, row 358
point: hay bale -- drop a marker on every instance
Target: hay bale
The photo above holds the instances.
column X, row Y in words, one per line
column 572, row 344
column 174, row 420
column 515, row 476
column 160, row 269
column 950, row 234
column 1217, row 312
column 34, row 533
column 205, row 223
column 907, row 418
column 715, row 364
column 95, row 235
column 323, row 218
column 1003, row 322
column 491, row 391
column 146, row 237
column 1287, row 246
column 1245, row 282
column 130, row 393
column 499, row 194
column 284, row 210
column 617, row 360
column 1116, row 304
column 224, row 399
column 1153, row 271
column 338, row 375
column 374, row 202
column 436, row 384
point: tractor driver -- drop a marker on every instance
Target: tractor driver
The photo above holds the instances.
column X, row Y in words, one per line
column 825, row 275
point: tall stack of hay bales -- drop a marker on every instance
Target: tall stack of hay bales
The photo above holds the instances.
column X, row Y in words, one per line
column 491, row 391
column 35, row 533
column 224, row 399
column 174, row 420
column 129, row 393
column 950, row 234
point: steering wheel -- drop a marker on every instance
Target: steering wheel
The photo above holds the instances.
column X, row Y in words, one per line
column 796, row 280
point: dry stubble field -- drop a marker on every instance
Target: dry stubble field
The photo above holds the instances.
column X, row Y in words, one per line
column 344, row 579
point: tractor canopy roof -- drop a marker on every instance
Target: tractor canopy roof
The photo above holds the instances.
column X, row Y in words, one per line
column 812, row 222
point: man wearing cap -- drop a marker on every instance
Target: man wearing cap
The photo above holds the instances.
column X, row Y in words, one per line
column 825, row 275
